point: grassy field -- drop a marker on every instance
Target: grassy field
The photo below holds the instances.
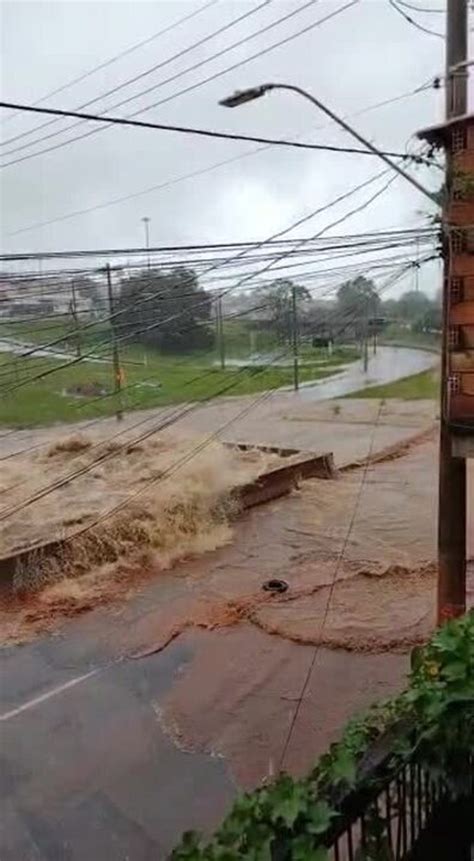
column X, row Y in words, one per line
column 150, row 380
column 396, row 336
column 418, row 387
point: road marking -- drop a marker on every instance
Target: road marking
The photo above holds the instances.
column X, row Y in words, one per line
column 49, row 694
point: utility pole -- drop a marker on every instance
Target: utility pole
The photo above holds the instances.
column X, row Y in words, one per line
column 295, row 339
column 76, row 321
column 220, row 332
column 115, row 352
column 366, row 352
column 417, row 267
column 366, row 338
column 146, row 221
column 452, row 470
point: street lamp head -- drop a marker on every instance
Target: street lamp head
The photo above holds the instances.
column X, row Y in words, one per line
column 241, row 96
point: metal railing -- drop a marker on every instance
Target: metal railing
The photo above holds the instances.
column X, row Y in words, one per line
column 405, row 815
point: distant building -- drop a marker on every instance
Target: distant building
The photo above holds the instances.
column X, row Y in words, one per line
column 38, row 297
column 456, row 136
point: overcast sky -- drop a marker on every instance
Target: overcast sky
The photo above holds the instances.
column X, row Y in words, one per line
column 363, row 55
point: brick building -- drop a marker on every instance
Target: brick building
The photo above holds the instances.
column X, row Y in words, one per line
column 456, row 136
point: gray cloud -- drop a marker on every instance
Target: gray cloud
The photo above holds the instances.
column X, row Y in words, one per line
column 366, row 54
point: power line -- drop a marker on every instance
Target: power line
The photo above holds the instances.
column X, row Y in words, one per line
column 188, row 89
column 203, row 133
column 95, row 421
column 71, row 476
column 260, row 244
column 119, row 56
column 204, row 170
column 129, row 251
column 421, row 8
column 280, row 233
column 415, row 23
column 138, row 77
column 357, row 209
column 61, row 482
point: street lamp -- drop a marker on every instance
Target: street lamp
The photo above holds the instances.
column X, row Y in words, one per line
column 241, row 96
column 146, row 221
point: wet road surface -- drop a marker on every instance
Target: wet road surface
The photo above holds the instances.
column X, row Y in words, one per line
column 389, row 364
column 305, row 419
column 92, row 771
column 118, row 763
column 88, row 773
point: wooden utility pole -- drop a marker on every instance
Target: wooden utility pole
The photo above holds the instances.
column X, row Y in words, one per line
column 452, row 470
column 295, row 339
column 115, row 352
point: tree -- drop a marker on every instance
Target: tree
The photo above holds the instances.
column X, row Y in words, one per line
column 278, row 297
column 357, row 302
column 165, row 310
column 430, row 321
column 412, row 305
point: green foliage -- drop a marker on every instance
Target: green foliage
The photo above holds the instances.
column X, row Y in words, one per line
column 357, row 301
column 290, row 820
column 278, row 299
column 165, row 310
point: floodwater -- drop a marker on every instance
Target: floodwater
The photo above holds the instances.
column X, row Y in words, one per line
column 198, row 675
column 21, row 348
column 389, row 364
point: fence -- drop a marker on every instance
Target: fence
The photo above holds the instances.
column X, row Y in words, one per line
column 406, row 815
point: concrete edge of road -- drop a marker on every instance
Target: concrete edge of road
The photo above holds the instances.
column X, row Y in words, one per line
column 392, row 452
column 266, row 487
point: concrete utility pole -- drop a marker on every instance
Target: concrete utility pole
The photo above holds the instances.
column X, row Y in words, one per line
column 146, row 221
column 220, row 332
column 365, row 348
column 115, row 351
column 452, row 470
column 365, row 355
column 76, row 321
column 295, row 339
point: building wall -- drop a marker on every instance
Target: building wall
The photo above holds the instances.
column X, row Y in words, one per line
column 459, row 249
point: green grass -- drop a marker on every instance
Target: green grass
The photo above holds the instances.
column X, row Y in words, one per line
column 183, row 378
column 45, row 401
column 417, row 387
column 396, row 336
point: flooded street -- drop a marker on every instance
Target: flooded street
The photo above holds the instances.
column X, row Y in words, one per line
column 192, row 680
column 151, row 684
column 386, row 366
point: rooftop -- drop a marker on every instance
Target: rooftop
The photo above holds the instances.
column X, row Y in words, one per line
column 436, row 134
